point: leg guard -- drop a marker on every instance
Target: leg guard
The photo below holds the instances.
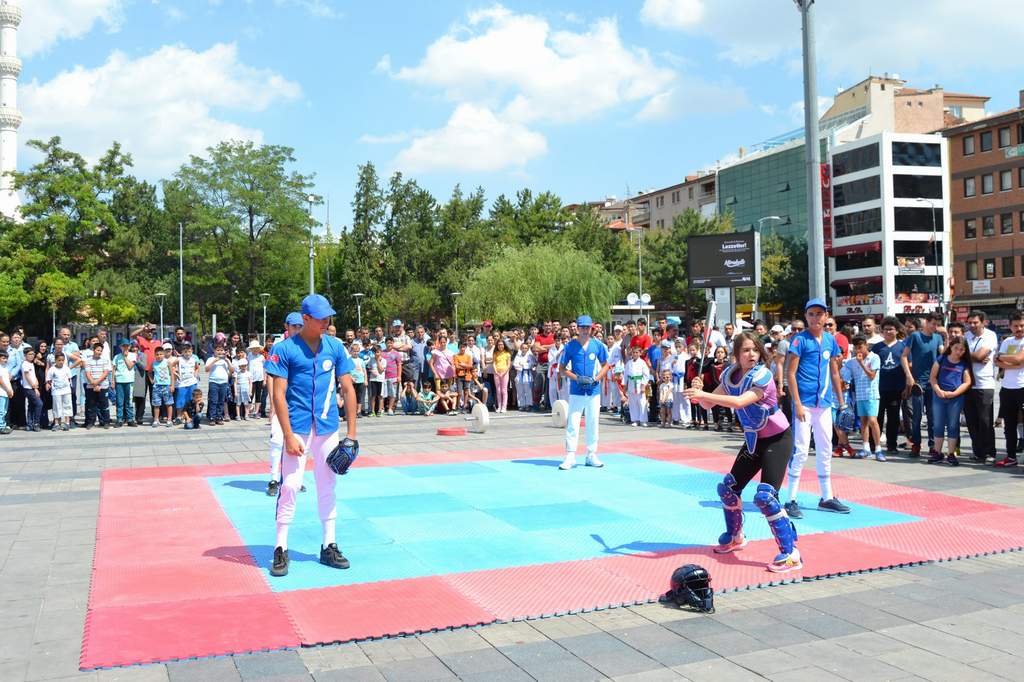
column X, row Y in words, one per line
column 783, row 529
column 732, row 506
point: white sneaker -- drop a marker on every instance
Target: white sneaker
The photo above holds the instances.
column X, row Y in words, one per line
column 593, row 461
column 568, row 463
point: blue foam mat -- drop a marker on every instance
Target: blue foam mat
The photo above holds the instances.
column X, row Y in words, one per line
column 434, row 519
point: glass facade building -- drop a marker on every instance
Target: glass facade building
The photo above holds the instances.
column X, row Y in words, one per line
column 770, row 183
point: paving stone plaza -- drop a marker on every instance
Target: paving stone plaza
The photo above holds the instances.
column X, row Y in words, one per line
column 946, row 620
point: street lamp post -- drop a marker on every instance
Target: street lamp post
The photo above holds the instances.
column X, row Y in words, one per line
column 757, row 288
column 935, row 252
column 359, row 309
column 160, row 298
column 181, row 275
column 812, row 156
column 264, row 298
column 455, row 298
column 311, row 198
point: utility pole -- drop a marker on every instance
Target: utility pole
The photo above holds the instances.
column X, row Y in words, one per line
column 812, row 154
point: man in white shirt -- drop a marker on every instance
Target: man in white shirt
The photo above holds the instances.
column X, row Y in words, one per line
column 871, row 331
column 978, row 413
column 1011, row 396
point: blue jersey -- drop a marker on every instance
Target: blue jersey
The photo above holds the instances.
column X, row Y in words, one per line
column 312, row 381
column 583, row 362
column 814, row 373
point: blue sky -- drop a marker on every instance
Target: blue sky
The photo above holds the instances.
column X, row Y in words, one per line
column 582, row 98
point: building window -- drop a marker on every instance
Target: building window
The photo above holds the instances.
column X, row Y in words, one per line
column 990, row 268
column 858, row 222
column 690, row 192
column 1006, row 223
column 986, row 184
column 916, row 154
column 969, row 187
column 1008, row 266
column 912, row 186
column 1005, row 180
column 675, row 197
column 856, row 261
column 988, row 226
column 917, row 249
column 915, row 219
column 857, row 191
column 1004, row 137
column 1020, row 176
column 1020, row 133
column 855, row 160
column 1020, row 222
column 968, row 145
column 972, row 269
column 970, row 228
column 986, row 141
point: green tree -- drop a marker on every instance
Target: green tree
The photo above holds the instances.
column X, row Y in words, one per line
column 665, row 254
column 253, row 209
column 541, row 281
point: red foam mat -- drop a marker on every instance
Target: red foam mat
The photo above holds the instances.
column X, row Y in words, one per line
column 379, row 609
column 931, row 505
column 825, row 556
column 186, row 629
column 932, row 540
column 547, row 589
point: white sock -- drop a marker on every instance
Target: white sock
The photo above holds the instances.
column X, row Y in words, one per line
column 826, row 487
column 794, row 487
column 282, row 535
column 328, row 532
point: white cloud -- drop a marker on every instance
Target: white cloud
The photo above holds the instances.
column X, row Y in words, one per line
column 537, row 73
column 159, row 116
column 474, row 139
column 796, row 109
column 505, row 71
column 853, row 37
column 383, row 65
column 672, row 13
column 47, row 21
column 318, row 8
column 389, row 138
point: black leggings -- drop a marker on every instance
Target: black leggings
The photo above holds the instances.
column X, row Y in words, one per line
column 771, row 455
column 889, row 417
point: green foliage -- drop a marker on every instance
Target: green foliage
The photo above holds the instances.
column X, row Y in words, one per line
column 541, row 281
column 97, row 244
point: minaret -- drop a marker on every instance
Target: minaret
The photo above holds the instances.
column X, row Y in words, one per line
column 10, row 117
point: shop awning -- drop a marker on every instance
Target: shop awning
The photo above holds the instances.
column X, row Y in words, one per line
column 996, row 300
column 856, row 281
column 866, row 247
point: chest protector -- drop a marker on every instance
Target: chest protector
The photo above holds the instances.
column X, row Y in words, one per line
column 753, row 417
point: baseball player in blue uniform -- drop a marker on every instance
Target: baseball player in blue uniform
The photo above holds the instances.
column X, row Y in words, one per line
column 584, row 362
column 308, row 368
column 814, row 371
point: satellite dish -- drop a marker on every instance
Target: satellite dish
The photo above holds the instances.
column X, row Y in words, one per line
column 632, row 298
column 646, row 298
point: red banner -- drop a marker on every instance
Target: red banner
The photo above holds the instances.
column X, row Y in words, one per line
column 826, row 206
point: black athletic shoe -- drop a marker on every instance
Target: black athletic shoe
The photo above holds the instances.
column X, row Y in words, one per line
column 272, row 489
column 793, row 510
column 935, row 457
column 302, row 488
column 280, row 566
column 332, row 556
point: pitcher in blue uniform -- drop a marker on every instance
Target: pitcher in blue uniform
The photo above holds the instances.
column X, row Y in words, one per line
column 749, row 388
column 308, row 368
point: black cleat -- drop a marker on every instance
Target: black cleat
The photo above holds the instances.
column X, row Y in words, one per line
column 332, row 556
column 272, row 489
column 280, row 566
column 302, row 488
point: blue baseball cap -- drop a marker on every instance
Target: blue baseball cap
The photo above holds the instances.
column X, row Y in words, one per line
column 815, row 302
column 294, row 318
column 317, row 307
column 584, row 321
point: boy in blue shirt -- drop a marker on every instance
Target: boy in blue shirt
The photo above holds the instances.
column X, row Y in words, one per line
column 815, row 387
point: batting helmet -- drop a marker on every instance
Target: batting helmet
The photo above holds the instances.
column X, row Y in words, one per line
column 691, row 586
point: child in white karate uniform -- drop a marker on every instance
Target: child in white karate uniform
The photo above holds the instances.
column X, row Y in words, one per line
column 523, row 365
column 680, row 403
column 638, row 376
